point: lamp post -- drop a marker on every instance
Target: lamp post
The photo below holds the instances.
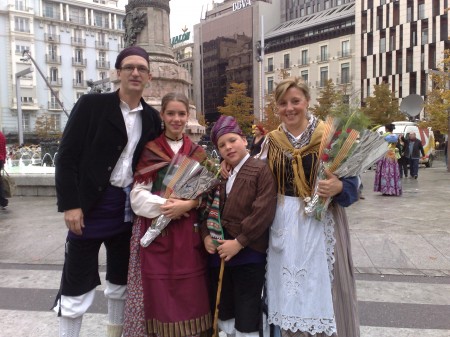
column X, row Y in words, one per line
column 19, row 102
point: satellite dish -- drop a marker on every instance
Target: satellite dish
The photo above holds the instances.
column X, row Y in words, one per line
column 412, row 105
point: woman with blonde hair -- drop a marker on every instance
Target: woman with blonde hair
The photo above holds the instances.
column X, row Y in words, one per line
column 310, row 281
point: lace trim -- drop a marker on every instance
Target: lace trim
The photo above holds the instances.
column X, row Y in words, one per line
column 330, row 242
column 311, row 325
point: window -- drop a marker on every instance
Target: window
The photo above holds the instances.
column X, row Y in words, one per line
column 52, row 51
column 409, row 14
column 77, row 15
column 51, row 30
column 78, row 55
column 26, row 121
column 120, row 22
column 345, row 48
column 50, row 10
column 78, row 95
column 20, row 5
column 287, row 61
column 270, row 64
column 422, row 11
column 79, row 77
column 101, row 20
column 304, row 59
column 269, row 85
column 53, row 75
column 20, row 49
column 304, row 75
column 382, row 44
column 324, row 53
column 323, row 76
column 22, row 24
column 327, row 4
column 424, row 35
column 102, row 75
column 345, row 73
column 27, row 100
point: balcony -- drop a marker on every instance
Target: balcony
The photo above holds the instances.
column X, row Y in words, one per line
column 78, row 41
column 54, row 106
column 52, row 59
column 103, row 64
column 52, row 38
column 79, row 62
column 79, row 84
column 269, row 69
column 285, row 65
column 55, row 82
column 323, row 57
column 303, row 62
column 101, row 45
column 344, row 53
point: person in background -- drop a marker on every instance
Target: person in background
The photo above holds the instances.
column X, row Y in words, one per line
column 402, row 160
column 258, row 139
column 98, row 153
column 310, row 282
column 167, row 280
column 3, row 199
column 247, row 202
column 413, row 150
column 387, row 174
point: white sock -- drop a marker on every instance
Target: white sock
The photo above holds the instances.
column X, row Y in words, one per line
column 116, row 310
column 70, row 327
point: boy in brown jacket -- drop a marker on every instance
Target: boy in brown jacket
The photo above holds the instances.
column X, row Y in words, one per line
column 247, row 208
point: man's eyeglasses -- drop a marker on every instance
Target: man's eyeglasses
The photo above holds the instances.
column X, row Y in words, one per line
column 129, row 69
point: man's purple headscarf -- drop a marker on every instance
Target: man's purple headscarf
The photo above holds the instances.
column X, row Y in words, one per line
column 132, row 50
column 224, row 125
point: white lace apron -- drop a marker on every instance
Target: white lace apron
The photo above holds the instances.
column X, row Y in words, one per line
column 299, row 270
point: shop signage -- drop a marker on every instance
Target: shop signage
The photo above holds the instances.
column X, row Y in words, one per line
column 241, row 4
column 181, row 38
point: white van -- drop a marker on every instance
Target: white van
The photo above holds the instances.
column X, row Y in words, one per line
column 425, row 135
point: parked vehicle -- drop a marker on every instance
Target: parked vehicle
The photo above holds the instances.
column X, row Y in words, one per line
column 425, row 135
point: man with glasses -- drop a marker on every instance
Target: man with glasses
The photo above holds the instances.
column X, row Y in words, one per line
column 98, row 153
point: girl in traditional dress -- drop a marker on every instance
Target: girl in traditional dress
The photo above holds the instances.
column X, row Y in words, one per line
column 167, row 281
column 310, row 281
column 387, row 175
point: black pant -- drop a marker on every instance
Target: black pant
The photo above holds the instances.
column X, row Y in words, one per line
column 3, row 200
column 241, row 295
column 403, row 166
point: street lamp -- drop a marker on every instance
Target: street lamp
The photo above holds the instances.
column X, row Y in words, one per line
column 19, row 101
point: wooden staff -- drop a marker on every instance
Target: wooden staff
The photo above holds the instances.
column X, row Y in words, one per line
column 219, row 291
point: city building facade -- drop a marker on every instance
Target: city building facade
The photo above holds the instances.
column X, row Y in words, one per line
column 225, row 51
column 71, row 42
column 400, row 43
column 316, row 47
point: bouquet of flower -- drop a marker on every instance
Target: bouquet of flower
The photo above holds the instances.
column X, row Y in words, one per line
column 186, row 178
column 344, row 151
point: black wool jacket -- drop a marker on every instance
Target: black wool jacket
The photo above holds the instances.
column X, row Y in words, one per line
column 91, row 145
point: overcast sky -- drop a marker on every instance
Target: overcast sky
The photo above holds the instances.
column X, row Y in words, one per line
column 183, row 13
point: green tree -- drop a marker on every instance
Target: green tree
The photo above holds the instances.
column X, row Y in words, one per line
column 240, row 106
column 437, row 103
column 329, row 98
column 382, row 108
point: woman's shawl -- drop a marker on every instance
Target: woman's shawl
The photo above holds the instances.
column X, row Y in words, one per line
column 280, row 149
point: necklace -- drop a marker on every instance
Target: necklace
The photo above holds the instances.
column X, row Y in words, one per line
column 173, row 140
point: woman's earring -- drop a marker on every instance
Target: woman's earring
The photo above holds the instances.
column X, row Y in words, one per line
column 162, row 125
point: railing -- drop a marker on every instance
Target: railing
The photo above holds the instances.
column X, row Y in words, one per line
column 79, row 62
column 79, row 84
column 54, row 106
column 55, row 81
column 52, row 58
column 52, row 37
column 102, row 64
column 101, row 44
column 77, row 41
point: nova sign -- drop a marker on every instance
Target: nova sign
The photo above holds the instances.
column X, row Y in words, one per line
column 241, row 4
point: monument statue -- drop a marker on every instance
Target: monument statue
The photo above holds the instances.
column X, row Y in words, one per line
column 147, row 25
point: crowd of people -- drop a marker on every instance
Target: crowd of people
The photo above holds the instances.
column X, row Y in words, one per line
column 112, row 160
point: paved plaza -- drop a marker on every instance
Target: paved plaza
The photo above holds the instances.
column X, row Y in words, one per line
column 401, row 252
